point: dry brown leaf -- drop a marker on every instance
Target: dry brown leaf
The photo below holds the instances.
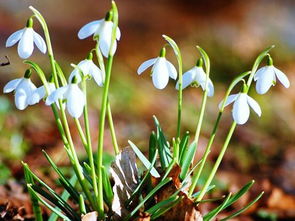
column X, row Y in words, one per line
column 125, row 174
column 92, row 216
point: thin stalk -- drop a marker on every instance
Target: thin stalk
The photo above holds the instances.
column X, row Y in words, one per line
column 179, row 99
column 89, row 144
column 109, row 111
column 112, row 129
column 217, row 163
column 81, row 134
column 103, row 111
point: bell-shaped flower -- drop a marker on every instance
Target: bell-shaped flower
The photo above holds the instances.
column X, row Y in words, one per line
column 197, row 76
column 241, row 109
column 267, row 77
column 161, row 71
column 41, row 93
column 26, row 38
column 102, row 29
column 74, row 97
column 23, row 88
column 87, row 67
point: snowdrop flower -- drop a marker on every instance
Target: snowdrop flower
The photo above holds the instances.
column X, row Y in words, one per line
column 40, row 92
column 26, row 38
column 197, row 76
column 266, row 77
column 103, row 30
column 241, row 110
column 23, row 88
column 161, row 70
column 87, row 67
column 75, row 98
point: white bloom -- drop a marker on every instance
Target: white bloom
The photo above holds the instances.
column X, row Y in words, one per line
column 241, row 110
column 26, row 38
column 266, row 77
column 103, row 29
column 40, row 92
column 75, row 99
column 161, row 71
column 24, row 89
column 88, row 67
column 196, row 74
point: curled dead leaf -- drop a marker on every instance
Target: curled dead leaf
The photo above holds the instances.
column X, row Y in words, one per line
column 92, row 216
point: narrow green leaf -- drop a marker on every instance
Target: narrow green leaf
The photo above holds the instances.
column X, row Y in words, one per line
column 63, row 179
column 187, row 159
column 65, row 196
column 35, row 203
column 60, row 214
column 162, row 204
column 195, row 195
column 163, row 210
column 143, row 159
column 152, row 145
column 60, row 74
column 211, row 215
column 148, row 196
column 244, row 208
column 107, row 187
column 183, row 146
column 82, row 204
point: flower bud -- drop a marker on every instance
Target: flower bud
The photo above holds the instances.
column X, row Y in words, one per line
column 163, row 52
column 29, row 23
column 28, row 73
column 199, row 62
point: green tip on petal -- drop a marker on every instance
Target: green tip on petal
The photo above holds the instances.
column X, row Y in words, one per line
column 200, row 62
column 28, row 73
column 163, row 52
column 109, row 16
column 90, row 56
column 269, row 60
column 30, row 23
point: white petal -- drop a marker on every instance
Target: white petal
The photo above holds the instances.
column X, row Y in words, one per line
column 55, row 95
column 265, row 80
column 259, row 72
column 160, row 74
column 187, row 78
column 40, row 42
column 26, row 44
column 75, row 101
column 210, row 88
column 241, row 110
column 11, row 85
column 282, row 78
column 84, row 66
column 89, row 29
column 254, row 105
column 30, row 90
column 229, row 100
column 172, row 70
column 118, row 34
column 96, row 73
column 14, row 38
column 75, row 73
column 105, row 38
column 145, row 65
column 200, row 77
column 20, row 99
column 37, row 95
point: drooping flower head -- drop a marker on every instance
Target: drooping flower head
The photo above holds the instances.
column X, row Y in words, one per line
column 41, row 92
column 26, row 38
column 161, row 71
column 267, row 77
column 73, row 96
column 23, row 88
column 87, row 67
column 102, row 32
column 241, row 108
column 197, row 76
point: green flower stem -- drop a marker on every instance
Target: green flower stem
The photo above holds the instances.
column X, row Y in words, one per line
column 217, row 163
column 103, row 111
column 109, row 112
column 89, row 144
column 75, row 162
column 81, row 133
column 112, row 129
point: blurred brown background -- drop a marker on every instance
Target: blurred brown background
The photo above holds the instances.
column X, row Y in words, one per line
column 233, row 32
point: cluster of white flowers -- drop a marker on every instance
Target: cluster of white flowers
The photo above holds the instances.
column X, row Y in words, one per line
column 266, row 77
column 26, row 93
